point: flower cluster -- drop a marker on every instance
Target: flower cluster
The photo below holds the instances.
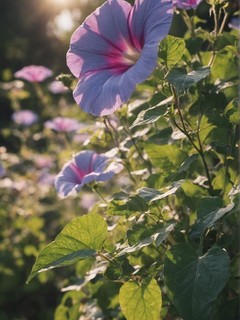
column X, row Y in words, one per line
column 110, row 53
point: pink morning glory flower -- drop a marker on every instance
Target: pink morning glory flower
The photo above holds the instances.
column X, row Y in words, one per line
column 115, row 49
column 34, row 73
column 186, row 4
column 57, row 87
column 42, row 161
column 25, row 117
column 62, row 124
column 85, row 167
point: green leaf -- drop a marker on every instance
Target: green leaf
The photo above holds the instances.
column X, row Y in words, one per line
column 183, row 81
column 187, row 163
column 141, row 301
column 144, row 243
column 99, row 267
column 158, row 236
column 171, row 50
column 209, row 210
column 152, row 114
column 164, row 233
column 151, row 195
column 140, row 232
column 119, row 269
column 232, row 112
column 159, row 154
column 125, row 205
column 80, row 239
column 226, row 57
column 194, row 282
column 205, row 128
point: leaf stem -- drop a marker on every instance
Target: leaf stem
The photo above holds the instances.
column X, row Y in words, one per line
column 96, row 190
column 201, row 152
column 200, row 248
column 147, row 163
column 105, row 257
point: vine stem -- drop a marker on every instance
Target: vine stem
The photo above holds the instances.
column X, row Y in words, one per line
column 189, row 21
column 115, row 138
column 148, row 165
column 96, row 190
column 217, row 31
column 201, row 152
column 185, row 131
column 40, row 94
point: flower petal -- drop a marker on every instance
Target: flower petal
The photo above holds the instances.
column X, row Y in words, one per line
column 102, row 35
column 145, row 64
column 186, row 4
column 150, row 20
column 102, row 93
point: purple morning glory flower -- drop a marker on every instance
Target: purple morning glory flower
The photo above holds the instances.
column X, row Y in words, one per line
column 85, row 167
column 62, row 124
column 186, row 4
column 57, row 87
column 42, row 161
column 25, row 117
column 234, row 23
column 34, row 73
column 115, row 49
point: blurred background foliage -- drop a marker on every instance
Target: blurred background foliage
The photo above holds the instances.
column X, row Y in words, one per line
column 32, row 32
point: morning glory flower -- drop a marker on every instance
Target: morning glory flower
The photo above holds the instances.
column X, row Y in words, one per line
column 34, row 73
column 25, row 117
column 234, row 23
column 85, row 167
column 57, row 87
column 115, row 49
column 186, row 4
column 62, row 124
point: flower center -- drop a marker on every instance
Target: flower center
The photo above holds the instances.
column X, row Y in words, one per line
column 79, row 174
column 122, row 59
column 130, row 56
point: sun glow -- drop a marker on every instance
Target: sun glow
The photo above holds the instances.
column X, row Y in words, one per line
column 58, row 1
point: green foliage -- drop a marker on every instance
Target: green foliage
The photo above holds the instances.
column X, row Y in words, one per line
column 182, row 80
column 80, row 239
column 193, row 281
column 153, row 114
column 161, row 240
column 171, row 50
column 151, row 195
column 141, row 301
column 209, row 211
